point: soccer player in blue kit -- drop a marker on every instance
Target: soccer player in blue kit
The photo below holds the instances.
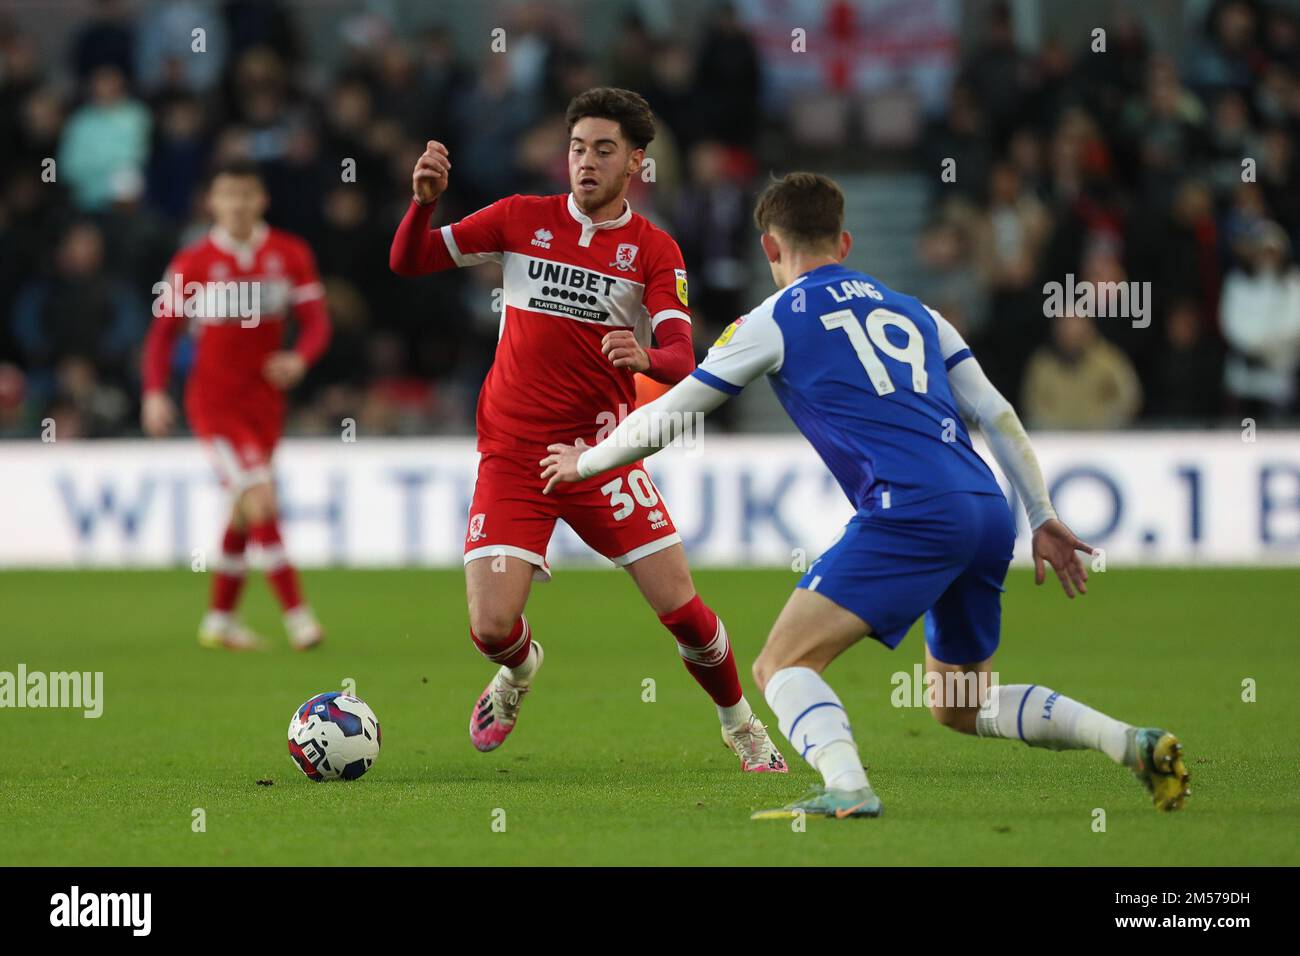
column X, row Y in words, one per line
column 879, row 384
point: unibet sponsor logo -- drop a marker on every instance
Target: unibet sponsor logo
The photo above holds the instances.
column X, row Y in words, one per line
column 568, row 290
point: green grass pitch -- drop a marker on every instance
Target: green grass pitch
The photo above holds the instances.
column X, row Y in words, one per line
column 594, row 774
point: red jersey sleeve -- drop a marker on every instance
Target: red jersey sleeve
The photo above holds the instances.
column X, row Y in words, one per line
column 159, row 343
column 418, row 250
column 674, row 358
column 308, row 300
column 665, row 284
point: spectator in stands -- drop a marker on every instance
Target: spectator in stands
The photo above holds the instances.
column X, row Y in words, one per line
column 106, row 39
column 999, row 73
column 962, row 138
column 178, row 158
column 1167, row 127
column 1079, row 380
column 1007, row 235
column 713, row 226
column 19, row 80
column 165, row 56
column 951, row 284
column 1010, row 232
column 1260, row 317
column 1230, row 55
column 105, row 139
column 81, row 310
column 727, row 66
column 1186, row 383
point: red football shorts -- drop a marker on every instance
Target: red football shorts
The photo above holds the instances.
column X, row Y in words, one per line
column 618, row 514
column 239, row 447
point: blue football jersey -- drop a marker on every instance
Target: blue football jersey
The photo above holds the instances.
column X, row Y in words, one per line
column 862, row 371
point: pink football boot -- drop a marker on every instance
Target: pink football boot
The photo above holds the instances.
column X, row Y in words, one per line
column 497, row 708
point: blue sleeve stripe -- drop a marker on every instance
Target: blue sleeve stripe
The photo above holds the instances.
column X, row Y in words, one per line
column 956, row 357
column 1020, row 714
column 713, row 381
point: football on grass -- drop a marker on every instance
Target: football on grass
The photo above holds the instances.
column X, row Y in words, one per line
column 334, row 737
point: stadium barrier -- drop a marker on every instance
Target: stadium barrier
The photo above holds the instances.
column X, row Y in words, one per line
column 1159, row 498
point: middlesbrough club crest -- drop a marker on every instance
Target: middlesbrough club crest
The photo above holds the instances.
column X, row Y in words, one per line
column 625, row 257
column 476, row 528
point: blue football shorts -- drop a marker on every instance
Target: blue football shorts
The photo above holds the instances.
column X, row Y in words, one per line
column 945, row 557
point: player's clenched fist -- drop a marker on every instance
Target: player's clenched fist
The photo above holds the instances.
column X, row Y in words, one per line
column 429, row 179
column 623, row 351
column 157, row 414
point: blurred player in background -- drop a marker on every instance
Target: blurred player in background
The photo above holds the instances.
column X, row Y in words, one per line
column 588, row 283
column 250, row 278
column 879, row 384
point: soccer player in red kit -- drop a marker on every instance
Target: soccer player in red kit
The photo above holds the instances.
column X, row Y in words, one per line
column 236, row 287
column 588, row 283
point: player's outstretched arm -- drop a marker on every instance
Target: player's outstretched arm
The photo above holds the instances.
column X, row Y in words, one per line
column 641, row 433
column 1053, row 542
column 417, row 251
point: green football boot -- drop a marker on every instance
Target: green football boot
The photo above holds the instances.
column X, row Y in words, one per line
column 823, row 802
column 1156, row 758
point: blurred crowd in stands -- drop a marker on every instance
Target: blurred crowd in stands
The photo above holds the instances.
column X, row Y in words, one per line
column 1115, row 166
column 1124, row 166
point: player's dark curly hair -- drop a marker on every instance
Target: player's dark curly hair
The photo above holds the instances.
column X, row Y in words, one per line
column 629, row 110
column 807, row 209
column 238, row 167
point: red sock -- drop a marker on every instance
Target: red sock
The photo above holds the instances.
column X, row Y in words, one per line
column 511, row 652
column 275, row 564
column 228, row 574
column 706, row 652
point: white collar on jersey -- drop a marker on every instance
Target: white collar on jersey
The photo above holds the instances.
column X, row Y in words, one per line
column 589, row 228
column 242, row 251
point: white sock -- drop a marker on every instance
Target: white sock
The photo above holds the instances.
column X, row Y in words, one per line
column 1041, row 717
column 735, row 715
column 523, row 674
column 840, row 766
column 217, row 620
column 812, row 718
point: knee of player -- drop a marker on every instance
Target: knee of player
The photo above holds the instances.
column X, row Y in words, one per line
column 490, row 627
column 763, row 669
column 259, row 504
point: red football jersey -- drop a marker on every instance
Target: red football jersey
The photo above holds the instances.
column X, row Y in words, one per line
column 567, row 282
column 236, row 298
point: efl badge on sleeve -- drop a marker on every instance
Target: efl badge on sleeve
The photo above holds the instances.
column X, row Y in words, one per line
column 728, row 332
column 681, row 285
